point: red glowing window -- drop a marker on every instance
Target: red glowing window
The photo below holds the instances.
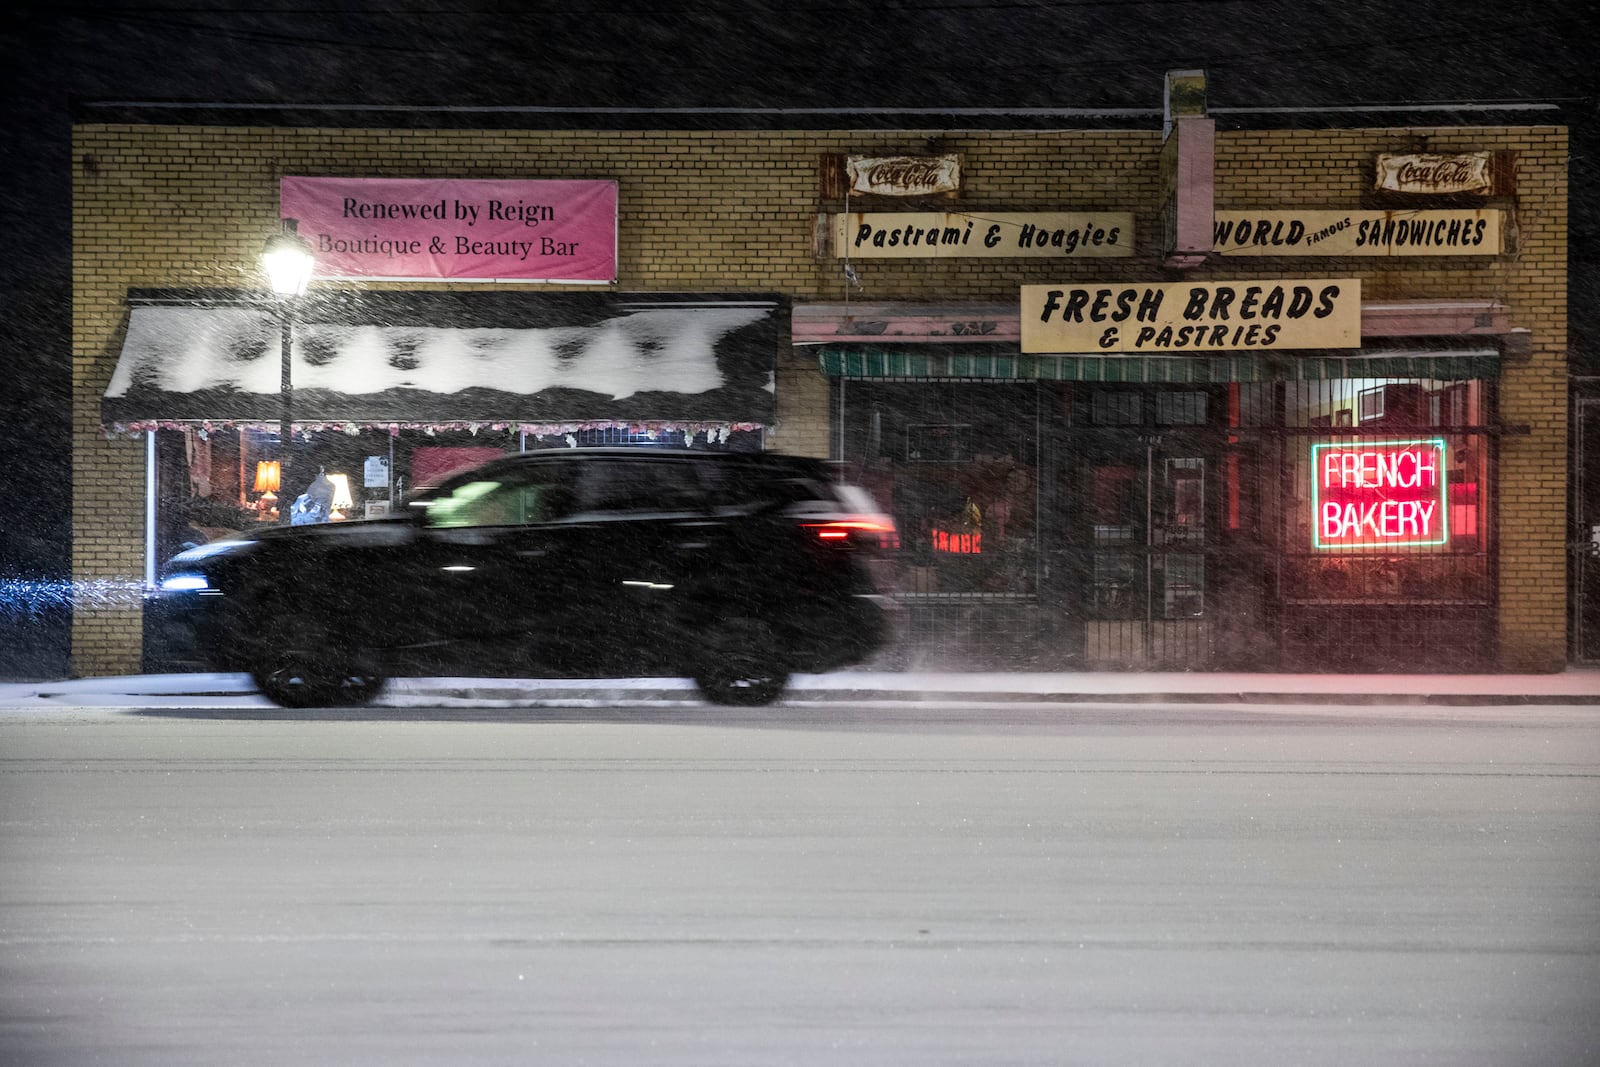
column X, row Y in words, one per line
column 1379, row 494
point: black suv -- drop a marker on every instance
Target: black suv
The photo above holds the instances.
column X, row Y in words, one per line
column 733, row 569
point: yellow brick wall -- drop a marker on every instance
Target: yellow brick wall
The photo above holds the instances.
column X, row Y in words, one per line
column 735, row 210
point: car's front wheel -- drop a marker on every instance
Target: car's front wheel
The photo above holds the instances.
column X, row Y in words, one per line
column 298, row 666
column 740, row 666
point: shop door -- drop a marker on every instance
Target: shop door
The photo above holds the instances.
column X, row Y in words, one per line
column 1142, row 549
column 1150, row 567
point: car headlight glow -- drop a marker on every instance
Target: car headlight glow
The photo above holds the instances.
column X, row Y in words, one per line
column 184, row 583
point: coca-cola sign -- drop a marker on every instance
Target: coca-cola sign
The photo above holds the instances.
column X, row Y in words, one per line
column 1432, row 174
column 904, row 175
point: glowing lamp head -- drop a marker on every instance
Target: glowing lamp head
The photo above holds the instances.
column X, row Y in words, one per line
column 288, row 261
column 269, row 476
column 341, row 492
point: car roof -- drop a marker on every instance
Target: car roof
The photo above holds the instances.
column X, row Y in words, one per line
column 646, row 453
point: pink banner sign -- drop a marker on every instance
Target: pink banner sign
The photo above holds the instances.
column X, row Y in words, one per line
column 422, row 229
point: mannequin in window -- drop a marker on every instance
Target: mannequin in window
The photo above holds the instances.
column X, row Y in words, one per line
column 315, row 504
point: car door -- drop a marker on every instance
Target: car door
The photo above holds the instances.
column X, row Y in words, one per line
column 641, row 538
column 492, row 568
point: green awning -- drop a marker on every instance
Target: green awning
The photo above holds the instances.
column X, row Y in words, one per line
column 1005, row 363
column 925, row 361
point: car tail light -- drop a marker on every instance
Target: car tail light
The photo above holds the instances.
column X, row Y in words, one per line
column 856, row 532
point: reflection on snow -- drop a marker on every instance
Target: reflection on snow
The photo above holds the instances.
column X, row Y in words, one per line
column 31, row 597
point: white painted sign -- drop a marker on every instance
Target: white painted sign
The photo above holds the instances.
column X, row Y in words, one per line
column 1192, row 316
column 988, row 234
column 904, row 175
column 1435, row 174
column 1443, row 232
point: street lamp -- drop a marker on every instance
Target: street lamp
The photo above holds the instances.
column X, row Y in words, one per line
column 288, row 262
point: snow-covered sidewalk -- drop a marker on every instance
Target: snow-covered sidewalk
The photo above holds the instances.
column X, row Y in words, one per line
column 1572, row 686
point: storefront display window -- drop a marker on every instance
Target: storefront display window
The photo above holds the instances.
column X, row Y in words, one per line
column 954, row 463
column 1177, row 524
column 1395, row 509
column 213, row 481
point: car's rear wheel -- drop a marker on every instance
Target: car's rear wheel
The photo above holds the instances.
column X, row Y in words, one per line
column 741, row 666
column 300, row 666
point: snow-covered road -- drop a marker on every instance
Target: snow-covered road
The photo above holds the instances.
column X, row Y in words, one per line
column 1074, row 884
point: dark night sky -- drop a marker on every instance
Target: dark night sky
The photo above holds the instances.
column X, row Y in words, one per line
column 760, row 53
column 764, row 53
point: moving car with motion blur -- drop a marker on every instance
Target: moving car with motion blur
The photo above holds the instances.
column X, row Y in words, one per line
column 733, row 569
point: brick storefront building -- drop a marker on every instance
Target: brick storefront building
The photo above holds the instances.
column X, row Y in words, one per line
column 1205, row 501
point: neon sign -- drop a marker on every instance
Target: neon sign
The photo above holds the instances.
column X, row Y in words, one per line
column 1379, row 494
column 958, row 543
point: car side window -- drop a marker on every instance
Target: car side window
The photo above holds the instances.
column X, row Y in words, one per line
column 620, row 487
column 743, row 490
column 512, row 498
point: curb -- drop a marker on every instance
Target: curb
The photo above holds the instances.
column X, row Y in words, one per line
column 808, row 697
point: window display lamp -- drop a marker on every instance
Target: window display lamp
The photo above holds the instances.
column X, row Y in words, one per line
column 342, row 501
column 269, row 479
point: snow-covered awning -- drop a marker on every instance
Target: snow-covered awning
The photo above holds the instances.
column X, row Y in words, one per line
column 439, row 358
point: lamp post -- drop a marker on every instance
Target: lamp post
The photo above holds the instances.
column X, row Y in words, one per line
column 288, row 262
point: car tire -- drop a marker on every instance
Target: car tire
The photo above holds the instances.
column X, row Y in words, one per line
column 298, row 665
column 740, row 666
